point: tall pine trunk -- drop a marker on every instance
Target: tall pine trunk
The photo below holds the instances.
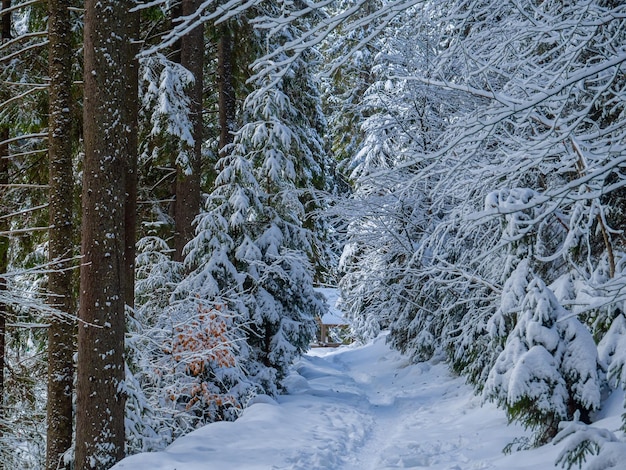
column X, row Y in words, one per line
column 60, row 247
column 188, row 194
column 6, row 20
column 132, row 109
column 4, row 261
column 5, row 34
column 109, row 163
column 226, row 86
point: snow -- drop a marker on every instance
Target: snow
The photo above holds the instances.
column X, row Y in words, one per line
column 361, row 407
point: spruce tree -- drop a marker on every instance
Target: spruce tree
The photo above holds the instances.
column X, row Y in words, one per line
column 61, row 332
column 108, row 169
column 548, row 369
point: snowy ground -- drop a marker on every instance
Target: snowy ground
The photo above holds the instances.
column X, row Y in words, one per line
column 360, row 408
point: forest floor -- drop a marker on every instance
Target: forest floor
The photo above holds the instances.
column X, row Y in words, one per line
column 361, row 407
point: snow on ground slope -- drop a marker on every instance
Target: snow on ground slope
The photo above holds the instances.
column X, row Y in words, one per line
column 357, row 408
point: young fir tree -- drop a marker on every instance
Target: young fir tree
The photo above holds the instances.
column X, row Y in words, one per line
column 255, row 259
column 166, row 131
column 251, row 249
column 183, row 355
column 548, row 369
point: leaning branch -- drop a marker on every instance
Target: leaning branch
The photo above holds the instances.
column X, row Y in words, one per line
column 24, row 211
column 38, row 135
column 4, row 11
column 22, row 95
column 11, row 233
column 22, row 37
column 24, row 49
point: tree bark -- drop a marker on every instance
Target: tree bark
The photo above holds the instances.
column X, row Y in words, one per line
column 188, row 193
column 4, row 261
column 132, row 109
column 226, row 87
column 5, row 34
column 109, row 159
column 6, row 21
column 61, row 333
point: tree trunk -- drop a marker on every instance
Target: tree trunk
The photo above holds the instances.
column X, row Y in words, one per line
column 4, row 261
column 6, row 20
column 188, row 194
column 109, row 159
column 226, row 86
column 132, row 108
column 60, row 247
column 5, row 33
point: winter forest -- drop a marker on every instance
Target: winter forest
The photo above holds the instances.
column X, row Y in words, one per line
column 177, row 177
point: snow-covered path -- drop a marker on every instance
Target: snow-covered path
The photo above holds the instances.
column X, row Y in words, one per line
column 364, row 408
column 419, row 416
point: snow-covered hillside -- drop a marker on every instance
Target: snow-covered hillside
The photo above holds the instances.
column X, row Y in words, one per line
column 360, row 408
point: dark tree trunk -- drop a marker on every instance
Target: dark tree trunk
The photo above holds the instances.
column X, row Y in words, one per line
column 5, row 33
column 188, row 194
column 6, row 20
column 61, row 334
column 132, row 108
column 4, row 258
column 226, row 86
column 109, row 159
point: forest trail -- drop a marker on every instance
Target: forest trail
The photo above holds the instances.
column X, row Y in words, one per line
column 401, row 405
column 406, row 431
column 356, row 408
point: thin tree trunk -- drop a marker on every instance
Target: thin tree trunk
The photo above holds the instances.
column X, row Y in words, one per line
column 61, row 334
column 4, row 262
column 131, row 107
column 226, row 86
column 6, row 20
column 188, row 194
column 5, row 33
column 109, row 158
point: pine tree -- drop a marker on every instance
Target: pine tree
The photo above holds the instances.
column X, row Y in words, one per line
column 108, row 168
column 251, row 248
column 548, row 368
column 188, row 179
column 60, row 247
column 4, row 239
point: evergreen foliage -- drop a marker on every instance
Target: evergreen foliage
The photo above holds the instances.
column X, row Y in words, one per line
column 508, row 181
column 254, row 241
column 548, row 368
column 480, row 149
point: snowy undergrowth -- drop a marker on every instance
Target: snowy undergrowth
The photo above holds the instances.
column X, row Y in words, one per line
column 365, row 407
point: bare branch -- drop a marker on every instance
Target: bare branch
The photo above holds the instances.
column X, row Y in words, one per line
column 19, row 7
column 22, row 37
column 38, row 135
column 24, row 185
column 22, row 95
column 21, row 51
column 24, row 211
column 11, row 233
